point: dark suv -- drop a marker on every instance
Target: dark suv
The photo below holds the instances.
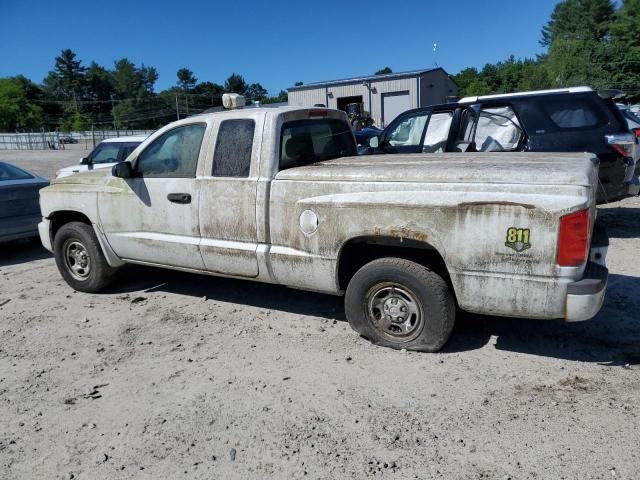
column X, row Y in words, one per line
column 571, row 120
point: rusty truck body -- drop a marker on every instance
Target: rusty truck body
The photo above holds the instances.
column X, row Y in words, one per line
column 279, row 196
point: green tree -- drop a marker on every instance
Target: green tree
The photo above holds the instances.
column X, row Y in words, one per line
column 235, row 84
column 578, row 62
column 124, row 114
column 16, row 112
column 186, row 79
column 625, row 46
column 68, row 76
column 384, row 70
column 282, row 97
column 256, row 92
column 587, row 20
column 99, row 94
column 208, row 88
column 126, row 79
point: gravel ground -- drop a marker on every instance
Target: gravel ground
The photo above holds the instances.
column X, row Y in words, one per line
column 171, row 375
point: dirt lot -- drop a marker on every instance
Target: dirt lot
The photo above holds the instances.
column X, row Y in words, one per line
column 171, row 375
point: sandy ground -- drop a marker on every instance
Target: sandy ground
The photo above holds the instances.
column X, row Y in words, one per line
column 170, row 375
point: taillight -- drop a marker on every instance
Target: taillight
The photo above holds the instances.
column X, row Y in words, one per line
column 573, row 240
column 622, row 143
column 637, row 132
column 318, row 113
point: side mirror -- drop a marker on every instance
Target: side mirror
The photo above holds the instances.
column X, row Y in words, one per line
column 122, row 170
column 85, row 161
column 374, row 142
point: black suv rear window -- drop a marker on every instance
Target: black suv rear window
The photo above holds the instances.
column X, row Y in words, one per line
column 308, row 141
column 569, row 113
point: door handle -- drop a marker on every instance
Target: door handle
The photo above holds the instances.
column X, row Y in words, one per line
column 179, row 197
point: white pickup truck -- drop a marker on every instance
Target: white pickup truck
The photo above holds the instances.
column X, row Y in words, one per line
column 278, row 196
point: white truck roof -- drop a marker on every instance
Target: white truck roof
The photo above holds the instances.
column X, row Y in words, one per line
column 520, row 94
column 132, row 138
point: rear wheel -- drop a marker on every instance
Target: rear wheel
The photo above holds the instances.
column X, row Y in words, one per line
column 80, row 259
column 398, row 303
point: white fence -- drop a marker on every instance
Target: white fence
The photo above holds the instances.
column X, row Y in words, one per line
column 56, row 140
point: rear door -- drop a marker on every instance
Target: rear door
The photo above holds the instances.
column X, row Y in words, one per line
column 19, row 207
column 227, row 216
column 489, row 128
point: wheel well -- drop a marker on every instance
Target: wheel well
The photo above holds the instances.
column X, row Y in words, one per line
column 58, row 219
column 360, row 251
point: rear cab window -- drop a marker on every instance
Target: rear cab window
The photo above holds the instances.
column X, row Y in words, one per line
column 232, row 155
column 303, row 142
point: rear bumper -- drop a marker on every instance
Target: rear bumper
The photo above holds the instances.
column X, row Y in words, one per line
column 585, row 297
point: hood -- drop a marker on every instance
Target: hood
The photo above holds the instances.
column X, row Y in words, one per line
column 89, row 177
column 504, row 168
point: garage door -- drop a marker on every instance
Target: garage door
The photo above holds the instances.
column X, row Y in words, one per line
column 393, row 104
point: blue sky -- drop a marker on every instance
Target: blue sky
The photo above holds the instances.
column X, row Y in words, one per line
column 275, row 43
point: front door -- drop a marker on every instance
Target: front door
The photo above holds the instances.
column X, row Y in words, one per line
column 154, row 216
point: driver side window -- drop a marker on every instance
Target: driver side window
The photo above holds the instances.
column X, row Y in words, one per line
column 174, row 154
column 408, row 133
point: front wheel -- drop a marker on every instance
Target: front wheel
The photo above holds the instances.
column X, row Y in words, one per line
column 400, row 304
column 80, row 259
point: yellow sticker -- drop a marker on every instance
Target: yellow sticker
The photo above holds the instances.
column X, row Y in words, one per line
column 518, row 239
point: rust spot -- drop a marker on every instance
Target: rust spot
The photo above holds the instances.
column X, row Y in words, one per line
column 528, row 206
column 408, row 233
column 401, row 232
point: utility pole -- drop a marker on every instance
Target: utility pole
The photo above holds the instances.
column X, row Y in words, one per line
column 177, row 108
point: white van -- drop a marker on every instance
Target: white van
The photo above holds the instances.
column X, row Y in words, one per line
column 106, row 154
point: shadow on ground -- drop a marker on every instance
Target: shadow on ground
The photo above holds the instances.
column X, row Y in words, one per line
column 612, row 338
column 22, row 251
column 135, row 279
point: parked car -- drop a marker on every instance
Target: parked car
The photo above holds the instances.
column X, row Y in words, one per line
column 633, row 121
column 569, row 120
column 19, row 207
column 364, row 135
column 279, row 196
column 106, row 154
column 68, row 139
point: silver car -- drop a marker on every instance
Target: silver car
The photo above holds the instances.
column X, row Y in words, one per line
column 19, row 202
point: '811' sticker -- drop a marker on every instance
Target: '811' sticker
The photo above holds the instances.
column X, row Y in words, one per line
column 518, row 239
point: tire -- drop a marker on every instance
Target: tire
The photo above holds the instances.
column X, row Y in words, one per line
column 80, row 259
column 400, row 304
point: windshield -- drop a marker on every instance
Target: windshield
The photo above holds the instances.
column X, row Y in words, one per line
column 112, row 152
column 9, row 172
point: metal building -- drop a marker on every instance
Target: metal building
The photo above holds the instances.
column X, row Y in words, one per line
column 385, row 96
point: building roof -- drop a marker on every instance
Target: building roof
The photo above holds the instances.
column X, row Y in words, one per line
column 366, row 78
